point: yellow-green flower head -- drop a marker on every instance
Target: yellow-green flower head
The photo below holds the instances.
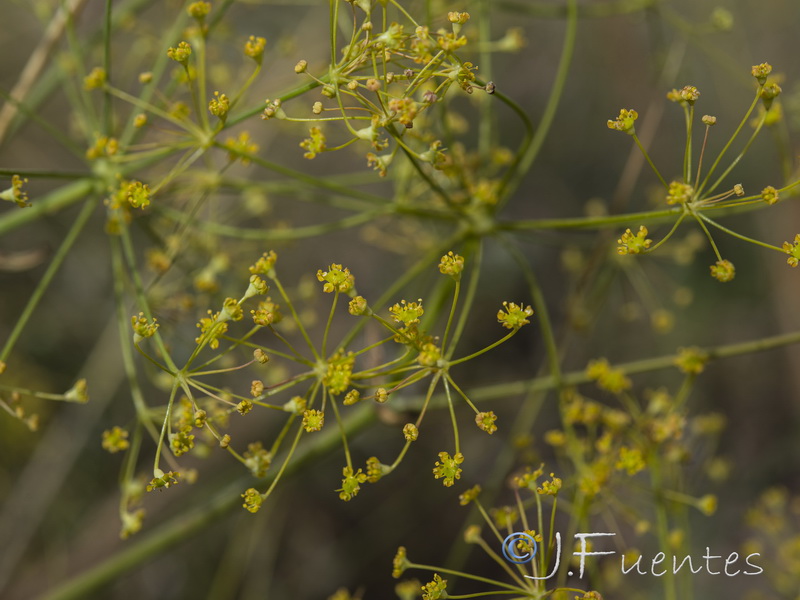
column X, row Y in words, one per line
column 256, row 287
column 688, row 94
column 231, row 310
column 405, row 110
column 707, row 504
column 199, row 10
column 634, row 244
column 452, row 265
column 691, row 361
column 400, row 562
column 180, row 54
column 514, row 316
column 760, row 72
column 472, row 534
column 313, row 420
column 429, row 355
column 469, row 495
column 379, row 163
column 722, row 19
column 162, row 480
column 131, row 523
column 314, row 144
column 358, row 307
column 550, row 488
column 78, row 392
column 410, row 432
column 448, row 468
column 723, row 270
column 458, row 17
column 336, row 278
column 768, row 93
column 793, row 250
column 771, row 91
column 351, row 483
column 770, row 195
column 630, row 460
column 219, row 106
column 679, row 193
column 709, row 120
column 436, row 589
column 252, row 500
column 265, row 264
column 608, row 378
column 273, row 109
column 181, row 441
column 485, row 421
column 256, row 388
column 103, row 146
column 115, row 440
column 15, row 193
column 351, row 397
column 340, row 370
column 137, row 194
column 504, row 516
column 142, row 328
column 254, row 48
column 375, row 470
column 407, row 313
column 296, row 406
column 95, row 79
column 240, row 148
column 624, row 122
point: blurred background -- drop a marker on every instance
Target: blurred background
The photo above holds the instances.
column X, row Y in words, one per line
column 58, row 488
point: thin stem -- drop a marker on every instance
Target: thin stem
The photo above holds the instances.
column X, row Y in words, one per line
column 708, row 234
column 452, row 415
column 328, row 324
column 730, row 141
column 295, row 316
column 687, row 155
column 738, row 235
column 484, row 350
column 472, row 290
column 669, row 235
column 741, row 154
column 649, row 160
column 530, row 153
column 108, row 115
column 700, row 160
column 49, row 274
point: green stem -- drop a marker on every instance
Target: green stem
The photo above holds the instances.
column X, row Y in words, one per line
column 738, row 235
column 730, row 141
column 739, row 157
column 708, row 234
column 472, row 290
column 540, row 304
column 669, row 235
column 484, row 350
column 295, row 316
column 49, row 274
column 191, row 521
column 687, row 155
column 649, row 160
column 548, row 116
